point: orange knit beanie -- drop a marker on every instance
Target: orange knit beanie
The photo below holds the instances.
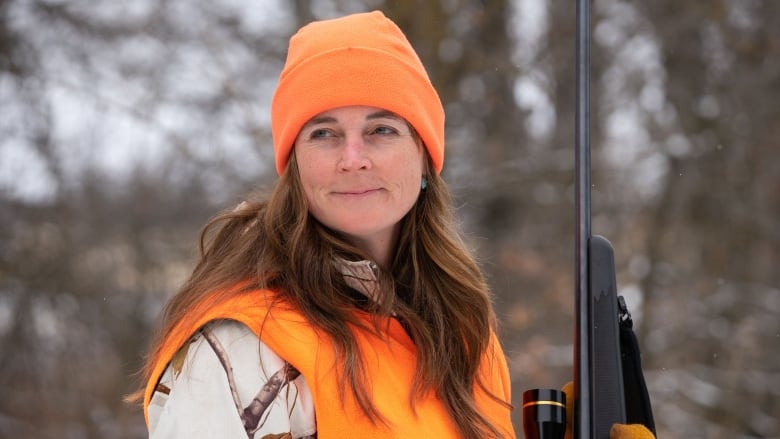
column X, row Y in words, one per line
column 360, row 59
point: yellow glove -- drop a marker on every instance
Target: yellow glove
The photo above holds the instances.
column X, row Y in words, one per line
column 568, row 389
column 618, row 431
column 630, row 431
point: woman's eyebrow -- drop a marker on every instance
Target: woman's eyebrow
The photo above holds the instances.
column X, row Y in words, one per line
column 320, row 119
column 384, row 114
column 381, row 114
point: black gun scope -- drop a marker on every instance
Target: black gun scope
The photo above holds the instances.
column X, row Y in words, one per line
column 544, row 414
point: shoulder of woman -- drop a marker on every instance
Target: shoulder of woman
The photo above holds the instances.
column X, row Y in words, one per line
column 236, row 303
column 226, row 361
column 220, row 335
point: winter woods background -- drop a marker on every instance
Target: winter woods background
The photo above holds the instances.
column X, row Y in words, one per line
column 124, row 125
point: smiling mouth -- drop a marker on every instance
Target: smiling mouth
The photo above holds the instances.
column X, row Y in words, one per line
column 356, row 192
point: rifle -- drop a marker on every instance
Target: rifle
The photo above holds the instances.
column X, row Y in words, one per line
column 598, row 379
column 604, row 343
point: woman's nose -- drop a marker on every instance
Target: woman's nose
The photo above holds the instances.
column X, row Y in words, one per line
column 354, row 154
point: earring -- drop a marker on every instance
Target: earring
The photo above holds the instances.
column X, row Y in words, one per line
column 424, row 183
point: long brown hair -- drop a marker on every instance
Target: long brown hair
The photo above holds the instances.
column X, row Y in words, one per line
column 433, row 285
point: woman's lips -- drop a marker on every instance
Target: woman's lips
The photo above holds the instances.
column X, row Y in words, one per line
column 356, row 192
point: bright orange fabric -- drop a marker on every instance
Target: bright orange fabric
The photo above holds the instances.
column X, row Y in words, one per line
column 389, row 363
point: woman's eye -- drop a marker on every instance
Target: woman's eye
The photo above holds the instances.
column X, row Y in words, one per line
column 320, row 133
column 384, row 130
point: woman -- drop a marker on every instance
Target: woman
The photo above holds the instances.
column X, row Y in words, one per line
column 344, row 304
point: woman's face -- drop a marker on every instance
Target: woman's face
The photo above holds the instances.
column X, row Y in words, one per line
column 360, row 168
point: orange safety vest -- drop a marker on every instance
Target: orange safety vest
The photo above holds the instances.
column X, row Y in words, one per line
column 389, row 364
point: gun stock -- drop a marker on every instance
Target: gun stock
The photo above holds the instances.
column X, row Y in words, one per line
column 607, row 395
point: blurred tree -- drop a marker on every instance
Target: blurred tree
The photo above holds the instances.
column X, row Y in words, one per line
column 126, row 125
column 712, row 232
column 102, row 107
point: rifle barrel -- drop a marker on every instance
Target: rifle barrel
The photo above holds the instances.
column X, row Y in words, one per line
column 582, row 360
